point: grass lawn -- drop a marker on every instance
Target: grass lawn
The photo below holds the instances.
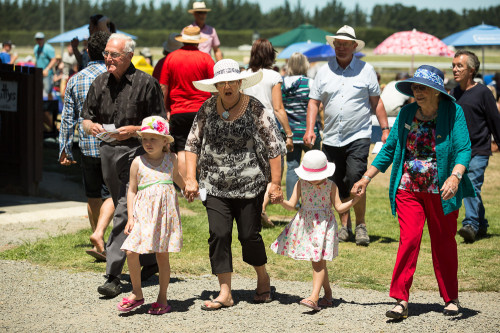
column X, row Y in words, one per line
column 356, row 267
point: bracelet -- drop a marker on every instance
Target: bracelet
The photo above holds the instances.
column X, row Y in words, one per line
column 289, row 136
column 367, row 178
column 386, row 128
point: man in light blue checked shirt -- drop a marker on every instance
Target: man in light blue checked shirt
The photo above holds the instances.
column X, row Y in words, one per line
column 99, row 203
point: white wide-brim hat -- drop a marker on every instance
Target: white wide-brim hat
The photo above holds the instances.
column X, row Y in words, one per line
column 346, row 33
column 315, row 166
column 228, row 70
column 156, row 125
column 199, row 6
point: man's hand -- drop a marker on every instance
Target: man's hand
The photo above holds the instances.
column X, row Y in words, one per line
column 125, row 133
column 96, row 128
column 63, row 160
column 74, row 43
column 45, row 72
column 309, row 138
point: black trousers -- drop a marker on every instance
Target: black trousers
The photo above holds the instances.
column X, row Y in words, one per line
column 246, row 212
column 116, row 161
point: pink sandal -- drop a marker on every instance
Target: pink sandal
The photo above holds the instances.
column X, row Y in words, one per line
column 310, row 304
column 133, row 303
column 159, row 309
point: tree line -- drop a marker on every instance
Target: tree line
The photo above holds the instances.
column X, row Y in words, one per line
column 232, row 15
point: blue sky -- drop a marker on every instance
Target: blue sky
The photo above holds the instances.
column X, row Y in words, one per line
column 367, row 5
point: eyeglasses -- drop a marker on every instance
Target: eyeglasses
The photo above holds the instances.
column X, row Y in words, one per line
column 223, row 84
column 418, row 87
column 113, row 55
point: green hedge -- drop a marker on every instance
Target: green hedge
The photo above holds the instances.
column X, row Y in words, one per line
column 229, row 38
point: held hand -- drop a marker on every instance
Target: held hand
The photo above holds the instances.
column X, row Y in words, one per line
column 450, row 188
column 191, row 190
column 359, row 188
column 45, row 72
column 124, row 133
column 275, row 193
column 63, row 160
column 309, row 138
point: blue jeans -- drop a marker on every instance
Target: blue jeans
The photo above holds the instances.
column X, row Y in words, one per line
column 474, row 208
column 293, row 162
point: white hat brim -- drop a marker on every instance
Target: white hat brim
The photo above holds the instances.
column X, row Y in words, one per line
column 331, row 39
column 249, row 79
column 169, row 138
column 312, row 176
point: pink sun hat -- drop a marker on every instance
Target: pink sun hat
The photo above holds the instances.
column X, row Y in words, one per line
column 156, row 125
column 315, row 166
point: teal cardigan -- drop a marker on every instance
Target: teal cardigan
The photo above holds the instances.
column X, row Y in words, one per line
column 452, row 147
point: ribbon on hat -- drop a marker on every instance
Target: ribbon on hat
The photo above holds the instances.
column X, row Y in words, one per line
column 227, row 71
column 428, row 75
column 314, row 170
column 189, row 37
column 345, row 35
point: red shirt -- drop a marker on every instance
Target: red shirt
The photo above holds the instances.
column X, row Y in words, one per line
column 180, row 69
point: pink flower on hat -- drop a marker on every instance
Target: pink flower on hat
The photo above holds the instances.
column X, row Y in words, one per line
column 160, row 127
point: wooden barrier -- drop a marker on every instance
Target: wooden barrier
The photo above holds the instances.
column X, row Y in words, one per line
column 21, row 130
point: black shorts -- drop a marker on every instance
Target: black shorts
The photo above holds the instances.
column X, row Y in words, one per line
column 93, row 181
column 180, row 126
column 350, row 164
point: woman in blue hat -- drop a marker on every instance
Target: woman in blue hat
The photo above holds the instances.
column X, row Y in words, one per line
column 429, row 148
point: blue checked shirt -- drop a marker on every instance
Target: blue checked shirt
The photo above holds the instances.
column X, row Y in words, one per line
column 74, row 98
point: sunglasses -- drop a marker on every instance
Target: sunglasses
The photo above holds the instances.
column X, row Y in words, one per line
column 418, row 87
column 223, row 84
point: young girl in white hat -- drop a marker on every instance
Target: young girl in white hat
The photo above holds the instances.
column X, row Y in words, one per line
column 312, row 233
column 154, row 224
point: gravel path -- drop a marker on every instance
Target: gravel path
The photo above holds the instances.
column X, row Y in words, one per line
column 47, row 300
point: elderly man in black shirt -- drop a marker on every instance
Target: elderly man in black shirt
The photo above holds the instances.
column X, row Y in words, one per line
column 121, row 97
column 483, row 120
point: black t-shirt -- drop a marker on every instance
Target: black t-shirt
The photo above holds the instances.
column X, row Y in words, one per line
column 482, row 116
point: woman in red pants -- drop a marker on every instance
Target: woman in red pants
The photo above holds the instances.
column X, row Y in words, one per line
column 429, row 149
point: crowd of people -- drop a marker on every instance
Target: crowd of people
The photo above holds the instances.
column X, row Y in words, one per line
column 224, row 135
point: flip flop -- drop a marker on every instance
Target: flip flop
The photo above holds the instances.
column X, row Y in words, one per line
column 100, row 256
column 209, row 308
column 159, row 309
column 325, row 302
column 310, row 304
column 133, row 304
column 267, row 300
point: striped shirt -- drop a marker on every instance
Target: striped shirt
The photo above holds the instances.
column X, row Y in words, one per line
column 295, row 92
column 74, row 98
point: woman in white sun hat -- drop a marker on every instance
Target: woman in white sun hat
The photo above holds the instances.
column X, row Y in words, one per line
column 237, row 148
column 312, row 233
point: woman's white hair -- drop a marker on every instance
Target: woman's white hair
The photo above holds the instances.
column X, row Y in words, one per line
column 297, row 64
column 129, row 42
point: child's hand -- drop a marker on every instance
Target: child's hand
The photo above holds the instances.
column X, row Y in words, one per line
column 129, row 226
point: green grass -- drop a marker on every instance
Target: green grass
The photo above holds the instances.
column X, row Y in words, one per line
column 356, row 267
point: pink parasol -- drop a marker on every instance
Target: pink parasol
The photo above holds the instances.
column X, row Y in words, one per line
column 413, row 42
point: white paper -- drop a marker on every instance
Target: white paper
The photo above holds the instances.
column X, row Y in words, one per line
column 203, row 194
column 377, row 147
column 106, row 136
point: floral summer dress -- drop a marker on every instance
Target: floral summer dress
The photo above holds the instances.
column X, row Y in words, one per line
column 156, row 210
column 312, row 234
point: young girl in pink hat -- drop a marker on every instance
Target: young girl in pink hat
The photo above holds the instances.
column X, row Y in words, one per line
column 312, row 233
column 154, row 224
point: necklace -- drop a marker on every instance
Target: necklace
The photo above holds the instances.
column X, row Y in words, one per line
column 225, row 114
column 426, row 118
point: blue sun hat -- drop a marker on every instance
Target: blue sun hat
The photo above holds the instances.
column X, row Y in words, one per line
column 428, row 76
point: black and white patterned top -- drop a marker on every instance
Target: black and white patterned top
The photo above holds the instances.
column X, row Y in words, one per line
column 233, row 156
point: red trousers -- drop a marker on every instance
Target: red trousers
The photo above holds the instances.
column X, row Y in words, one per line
column 413, row 208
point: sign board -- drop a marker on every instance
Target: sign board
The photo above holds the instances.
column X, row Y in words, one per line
column 8, row 96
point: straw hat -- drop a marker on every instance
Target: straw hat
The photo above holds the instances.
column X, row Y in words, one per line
column 228, row 70
column 156, row 125
column 315, row 166
column 190, row 35
column 428, row 76
column 199, row 6
column 346, row 33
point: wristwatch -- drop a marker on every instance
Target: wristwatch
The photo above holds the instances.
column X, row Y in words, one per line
column 458, row 175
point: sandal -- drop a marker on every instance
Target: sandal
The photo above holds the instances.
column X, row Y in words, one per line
column 269, row 299
column 398, row 315
column 132, row 304
column 325, row 302
column 210, row 308
column 448, row 312
column 159, row 309
column 310, row 304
